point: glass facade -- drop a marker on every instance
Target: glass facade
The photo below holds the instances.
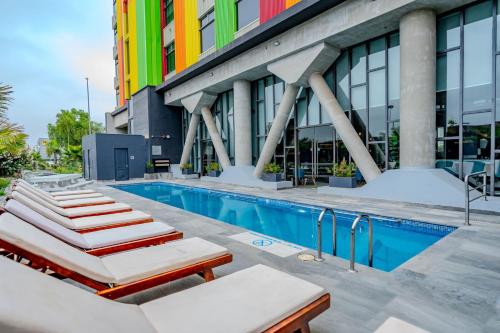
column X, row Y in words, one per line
column 207, row 31
column 467, row 94
column 247, row 11
column 203, row 151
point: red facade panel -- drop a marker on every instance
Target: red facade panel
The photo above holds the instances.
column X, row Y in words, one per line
column 270, row 8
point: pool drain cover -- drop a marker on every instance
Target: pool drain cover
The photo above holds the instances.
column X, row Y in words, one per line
column 305, row 257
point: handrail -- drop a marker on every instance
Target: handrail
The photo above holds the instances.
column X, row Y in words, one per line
column 468, row 200
column 353, row 240
column 320, row 236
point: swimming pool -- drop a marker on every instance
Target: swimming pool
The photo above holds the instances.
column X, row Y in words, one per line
column 394, row 241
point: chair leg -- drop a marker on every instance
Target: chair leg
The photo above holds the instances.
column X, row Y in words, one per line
column 208, row 275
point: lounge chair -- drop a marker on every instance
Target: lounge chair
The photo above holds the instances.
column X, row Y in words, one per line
column 257, row 299
column 58, row 193
column 63, row 196
column 74, row 203
column 75, row 212
column 102, row 242
column 89, row 223
column 117, row 274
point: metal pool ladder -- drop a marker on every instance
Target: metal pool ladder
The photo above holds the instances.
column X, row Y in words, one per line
column 319, row 257
column 358, row 219
column 468, row 200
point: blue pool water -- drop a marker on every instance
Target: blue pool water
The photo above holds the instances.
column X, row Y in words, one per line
column 394, row 241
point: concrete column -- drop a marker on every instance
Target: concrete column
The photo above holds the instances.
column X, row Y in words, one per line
column 242, row 123
column 220, row 149
column 190, row 136
column 351, row 139
column 277, row 128
column 418, row 89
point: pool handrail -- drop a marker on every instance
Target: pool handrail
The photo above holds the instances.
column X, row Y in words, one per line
column 319, row 257
column 468, row 200
column 358, row 219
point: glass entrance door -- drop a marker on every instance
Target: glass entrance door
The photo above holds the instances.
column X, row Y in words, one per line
column 315, row 154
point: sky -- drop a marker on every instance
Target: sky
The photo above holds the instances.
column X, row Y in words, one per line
column 47, row 48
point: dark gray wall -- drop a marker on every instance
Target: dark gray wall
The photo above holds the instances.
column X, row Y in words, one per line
column 161, row 125
column 102, row 155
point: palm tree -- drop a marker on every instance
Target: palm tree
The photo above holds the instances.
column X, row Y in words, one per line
column 5, row 99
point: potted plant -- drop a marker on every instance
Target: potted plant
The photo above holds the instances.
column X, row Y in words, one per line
column 187, row 169
column 344, row 175
column 272, row 173
column 213, row 169
column 150, row 168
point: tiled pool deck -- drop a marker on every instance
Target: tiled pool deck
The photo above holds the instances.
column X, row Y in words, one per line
column 453, row 286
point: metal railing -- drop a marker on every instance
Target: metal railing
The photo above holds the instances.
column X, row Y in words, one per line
column 468, row 200
column 319, row 257
column 358, row 219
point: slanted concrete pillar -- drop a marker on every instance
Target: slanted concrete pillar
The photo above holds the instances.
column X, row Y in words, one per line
column 190, row 136
column 220, row 149
column 418, row 89
column 242, row 123
column 344, row 128
column 277, row 128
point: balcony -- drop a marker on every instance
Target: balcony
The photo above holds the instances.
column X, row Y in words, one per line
column 113, row 22
column 115, row 52
column 117, row 83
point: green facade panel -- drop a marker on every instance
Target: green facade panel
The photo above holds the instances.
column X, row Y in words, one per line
column 149, row 43
column 225, row 22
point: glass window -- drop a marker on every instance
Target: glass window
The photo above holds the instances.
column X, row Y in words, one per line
column 247, row 11
column 207, row 31
column 170, row 54
column 377, row 119
column 377, row 53
column 448, row 32
column 358, row 65
column 301, row 112
column 261, row 118
column 269, row 104
column 313, row 109
column 447, row 155
column 169, row 10
column 377, row 150
column 358, row 115
column 394, row 145
column 498, row 25
column 498, row 87
column 393, row 84
column 497, row 135
column 477, row 57
column 342, row 80
column 477, row 136
column 448, row 94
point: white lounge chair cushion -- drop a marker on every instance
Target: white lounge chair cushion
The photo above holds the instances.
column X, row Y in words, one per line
column 57, row 193
column 119, row 268
column 77, row 196
column 91, row 240
column 74, row 212
column 33, row 302
column 50, row 196
column 250, row 300
column 120, row 235
column 141, row 263
column 65, row 203
column 395, row 325
column 29, row 238
column 82, row 222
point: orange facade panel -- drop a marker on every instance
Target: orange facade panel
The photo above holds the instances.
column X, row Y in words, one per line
column 180, row 35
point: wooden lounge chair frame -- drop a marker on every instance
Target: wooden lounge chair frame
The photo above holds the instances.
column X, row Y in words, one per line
column 299, row 321
column 112, row 291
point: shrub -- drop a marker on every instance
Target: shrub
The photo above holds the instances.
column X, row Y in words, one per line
column 213, row 166
column 272, row 168
column 343, row 169
column 4, row 183
column 149, row 165
column 186, row 166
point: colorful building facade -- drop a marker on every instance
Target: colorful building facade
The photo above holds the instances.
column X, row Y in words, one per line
column 155, row 39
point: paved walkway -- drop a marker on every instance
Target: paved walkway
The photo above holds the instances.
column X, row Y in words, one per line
column 453, row 286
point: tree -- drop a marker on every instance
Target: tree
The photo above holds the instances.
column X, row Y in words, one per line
column 12, row 138
column 70, row 127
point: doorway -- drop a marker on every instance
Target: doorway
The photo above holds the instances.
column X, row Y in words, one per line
column 121, row 164
column 315, row 154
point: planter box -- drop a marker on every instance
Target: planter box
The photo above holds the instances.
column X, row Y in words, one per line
column 150, row 170
column 187, row 171
column 346, row 182
column 271, row 177
column 213, row 173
